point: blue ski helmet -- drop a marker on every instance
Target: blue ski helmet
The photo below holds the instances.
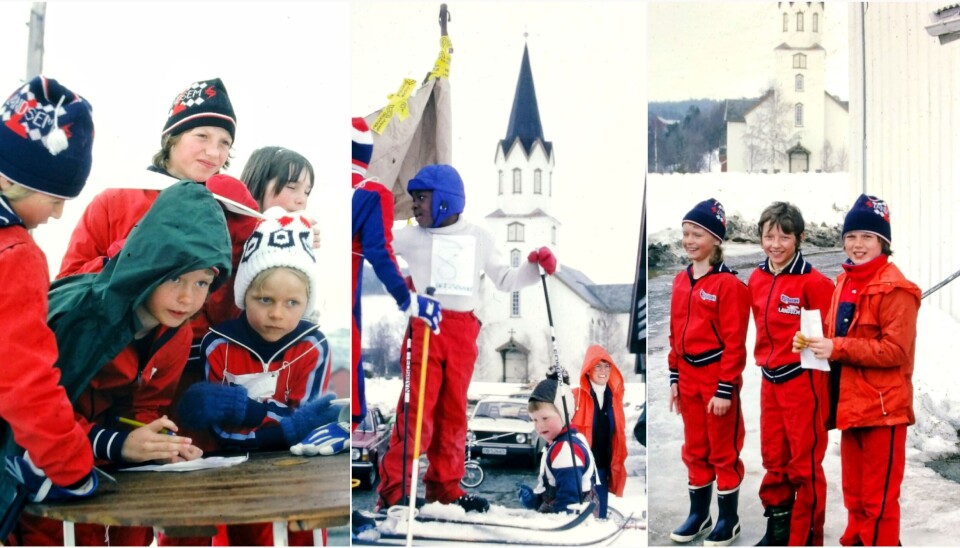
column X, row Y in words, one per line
column 447, row 186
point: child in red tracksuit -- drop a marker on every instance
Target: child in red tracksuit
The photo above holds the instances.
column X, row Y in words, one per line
column 871, row 337
column 458, row 251
column 793, row 400
column 709, row 312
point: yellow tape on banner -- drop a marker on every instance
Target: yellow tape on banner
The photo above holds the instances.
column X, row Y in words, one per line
column 441, row 69
column 397, row 105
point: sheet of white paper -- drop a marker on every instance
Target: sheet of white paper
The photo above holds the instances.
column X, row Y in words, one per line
column 190, row 465
column 811, row 325
column 453, row 264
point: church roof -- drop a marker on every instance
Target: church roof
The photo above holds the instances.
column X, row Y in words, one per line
column 844, row 104
column 808, row 48
column 525, row 115
column 499, row 214
column 614, row 298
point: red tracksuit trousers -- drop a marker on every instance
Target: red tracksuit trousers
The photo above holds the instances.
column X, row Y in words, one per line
column 872, row 461
column 450, row 361
column 793, row 441
column 711, row 444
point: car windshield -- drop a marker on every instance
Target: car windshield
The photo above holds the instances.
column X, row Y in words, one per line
column 367, row 424
column 502, row 410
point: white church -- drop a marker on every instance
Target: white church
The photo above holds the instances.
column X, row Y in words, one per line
column 810, row 132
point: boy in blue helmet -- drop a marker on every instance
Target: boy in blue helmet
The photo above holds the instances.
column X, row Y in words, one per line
column 448, row 253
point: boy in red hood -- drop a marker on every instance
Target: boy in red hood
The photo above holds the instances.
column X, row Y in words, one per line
column 600, row 419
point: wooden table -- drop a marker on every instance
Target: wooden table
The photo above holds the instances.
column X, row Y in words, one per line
column 308, row 492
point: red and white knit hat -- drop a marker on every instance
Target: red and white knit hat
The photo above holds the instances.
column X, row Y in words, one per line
column 282, row 239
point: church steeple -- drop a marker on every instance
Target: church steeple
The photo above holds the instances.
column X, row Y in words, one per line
column 525, row 115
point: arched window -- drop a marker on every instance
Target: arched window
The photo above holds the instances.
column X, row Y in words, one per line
column 537, row 181
column 550, row 190
column 515, row 232
column 799, row 21
column 517, row 184
column 799, row 61
column 515, row 258
column 798, row 115
column 786, row 22
column 553, row 235
column 515, row 304
column 816, row 22
column 500, row 182
column 798, row 82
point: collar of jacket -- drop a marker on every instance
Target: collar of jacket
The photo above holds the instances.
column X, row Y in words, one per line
column 8, row 217
column 798, row 265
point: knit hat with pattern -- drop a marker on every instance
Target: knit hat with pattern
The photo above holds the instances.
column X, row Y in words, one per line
column 203, row 103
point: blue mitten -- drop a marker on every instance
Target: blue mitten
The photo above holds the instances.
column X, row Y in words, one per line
column 206, row 404
column 40, row 487
column 308, row 417
column 426, row 309
column 528, row 499
column 329, row 439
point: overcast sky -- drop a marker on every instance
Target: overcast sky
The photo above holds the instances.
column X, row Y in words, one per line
column 281, row 62
column 724, row 50
column 589, row 69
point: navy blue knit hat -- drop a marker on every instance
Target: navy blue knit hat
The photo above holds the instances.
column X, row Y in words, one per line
column 709, row 215
column 448, row 196
column 869, row 214
column 46, row 138
column 203, row 103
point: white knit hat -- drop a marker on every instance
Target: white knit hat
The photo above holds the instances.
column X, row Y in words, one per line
column 282, row 239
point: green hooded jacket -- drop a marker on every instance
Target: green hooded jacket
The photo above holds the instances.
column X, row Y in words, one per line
column 93, row 315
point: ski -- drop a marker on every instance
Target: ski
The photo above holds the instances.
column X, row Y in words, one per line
column 398, row 539
column 569, row 524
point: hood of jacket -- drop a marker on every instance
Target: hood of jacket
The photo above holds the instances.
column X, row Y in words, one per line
column 93, row 315
column 596, row 354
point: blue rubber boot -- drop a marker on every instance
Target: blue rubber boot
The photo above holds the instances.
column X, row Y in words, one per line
column 728, row 522
column 698, row 521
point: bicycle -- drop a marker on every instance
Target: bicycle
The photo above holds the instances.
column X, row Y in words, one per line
column 472, row 471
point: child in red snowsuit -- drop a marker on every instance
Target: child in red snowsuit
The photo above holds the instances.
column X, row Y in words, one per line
column 871, row 336
column 793, row 400
column 438, row 201
column 709, row 312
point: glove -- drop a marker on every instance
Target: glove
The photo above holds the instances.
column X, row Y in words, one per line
column 206, row 404
column 528, row 499
column 40, row 487
column 329, row 439
column 545, row 258
column 553, row 374
column 426, row 309
column 308, row 417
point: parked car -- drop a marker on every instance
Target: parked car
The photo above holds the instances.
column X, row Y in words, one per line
column 368, row 444
column 504, row 430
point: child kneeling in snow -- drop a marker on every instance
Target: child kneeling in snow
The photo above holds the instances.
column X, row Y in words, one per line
column 568, row 473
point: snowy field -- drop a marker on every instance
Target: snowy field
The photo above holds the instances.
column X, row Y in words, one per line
column 385, row 392
column 930, row 504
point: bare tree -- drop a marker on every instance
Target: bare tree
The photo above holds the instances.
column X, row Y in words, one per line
column 834, row 160
column 383, row 348
column 769, row 132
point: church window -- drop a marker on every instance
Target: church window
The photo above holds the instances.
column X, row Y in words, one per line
column 816, row 22
column 798, row 82
column 500, row 182
column 515, row 232
column 799, row 61
column 553, row 235
column 515, row 258
column 517, row 183
column 798, row 115
column 799, row 21
column 537, row 181
column 786, row 22
column 515, row 304
column 550, row 189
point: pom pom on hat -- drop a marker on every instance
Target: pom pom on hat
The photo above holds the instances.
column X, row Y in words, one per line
column 203, row 103
column 282, row 239
column 869, row 214
column 362, row 149
column 709, row 215
column 46, row 138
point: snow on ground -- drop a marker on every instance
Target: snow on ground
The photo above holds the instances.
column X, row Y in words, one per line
column 930, row 504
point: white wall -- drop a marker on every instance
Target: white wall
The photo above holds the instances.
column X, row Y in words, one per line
column 912, row 139
column 526, row 201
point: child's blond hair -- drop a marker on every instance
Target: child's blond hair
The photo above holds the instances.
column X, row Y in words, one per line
column 261, row 278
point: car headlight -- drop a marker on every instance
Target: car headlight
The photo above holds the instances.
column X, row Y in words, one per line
column 521, row 438
column 354, row 454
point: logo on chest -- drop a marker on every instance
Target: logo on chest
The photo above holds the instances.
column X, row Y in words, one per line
column 789, row 305
column 708, row 297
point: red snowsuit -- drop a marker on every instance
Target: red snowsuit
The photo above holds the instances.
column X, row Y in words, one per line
column 121, row 389
column 33, row 405
column 876, row 396
column 708, row 330
column 583, row 418
column 793, row 401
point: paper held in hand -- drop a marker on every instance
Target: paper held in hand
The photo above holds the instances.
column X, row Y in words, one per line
column 811, row 325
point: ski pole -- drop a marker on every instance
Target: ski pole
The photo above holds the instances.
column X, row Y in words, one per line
column 12, row 516
column 560, row 372
column 415, row 466
column 406, row 405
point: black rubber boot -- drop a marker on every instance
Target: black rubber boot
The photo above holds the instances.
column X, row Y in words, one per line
column 728, row 522
column 473, row 503
column 778, row 526
column 698, row 521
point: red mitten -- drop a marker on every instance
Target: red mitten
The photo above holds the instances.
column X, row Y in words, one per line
column 232, row 189
column 545, row 258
